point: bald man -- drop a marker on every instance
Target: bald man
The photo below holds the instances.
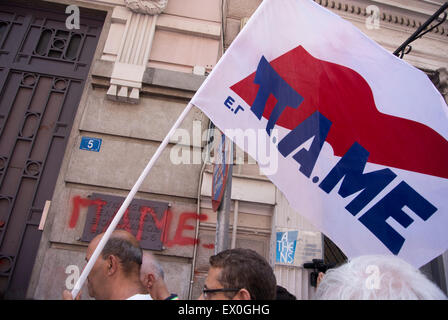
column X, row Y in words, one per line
column 152, row 277
column 116, row 273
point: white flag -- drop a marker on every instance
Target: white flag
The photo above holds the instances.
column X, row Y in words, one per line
column 360, row 136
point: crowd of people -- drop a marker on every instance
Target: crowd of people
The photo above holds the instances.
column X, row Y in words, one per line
column 123, row 271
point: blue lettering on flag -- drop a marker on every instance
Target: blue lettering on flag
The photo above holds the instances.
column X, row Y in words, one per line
column 391, row 206
column 349, row 169
column 271, row 83
column 316, row 126
column 229, row 104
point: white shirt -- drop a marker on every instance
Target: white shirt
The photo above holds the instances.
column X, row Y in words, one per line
column 140, row 296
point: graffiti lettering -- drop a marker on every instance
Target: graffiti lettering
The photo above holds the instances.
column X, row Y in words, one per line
column 178, row 237
column 164, row 224
column 79, row 202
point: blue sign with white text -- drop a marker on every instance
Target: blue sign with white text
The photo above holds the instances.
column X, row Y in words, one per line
column 90, row 144
column 286, row 247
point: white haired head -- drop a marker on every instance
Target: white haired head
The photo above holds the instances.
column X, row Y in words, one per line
column 152, row 266
column 377, row 277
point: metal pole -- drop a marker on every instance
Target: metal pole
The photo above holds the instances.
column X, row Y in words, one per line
column 211, row 126
column 235, row 223
column 223, row 214
column 400, row 52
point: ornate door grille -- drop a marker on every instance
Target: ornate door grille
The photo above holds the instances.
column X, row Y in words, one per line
column 43, row 69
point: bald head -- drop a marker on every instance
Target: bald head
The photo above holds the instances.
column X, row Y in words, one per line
column 116, row 234
column 94, row 242
column 125, row 236
column 115, row 274
column 124, row 246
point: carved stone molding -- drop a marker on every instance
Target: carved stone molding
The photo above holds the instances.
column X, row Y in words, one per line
column 151, row 7
column 387, row 17
column 133, row 45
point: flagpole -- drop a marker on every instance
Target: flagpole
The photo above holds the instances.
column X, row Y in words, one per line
column 223, row 213
column 126, row 203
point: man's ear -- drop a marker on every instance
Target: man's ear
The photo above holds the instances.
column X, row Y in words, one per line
column 243, row 294
column 150, row 280
column 112, row 265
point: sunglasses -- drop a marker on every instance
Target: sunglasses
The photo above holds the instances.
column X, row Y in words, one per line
column 208, row 292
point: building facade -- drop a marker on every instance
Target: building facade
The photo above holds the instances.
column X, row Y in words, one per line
column 84, row 106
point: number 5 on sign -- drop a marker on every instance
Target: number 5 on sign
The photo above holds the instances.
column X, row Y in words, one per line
column 90, row 144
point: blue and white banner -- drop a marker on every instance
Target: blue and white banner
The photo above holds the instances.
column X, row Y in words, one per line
column 360, row 135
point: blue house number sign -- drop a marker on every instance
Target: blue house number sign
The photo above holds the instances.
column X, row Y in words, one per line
column 90, row 144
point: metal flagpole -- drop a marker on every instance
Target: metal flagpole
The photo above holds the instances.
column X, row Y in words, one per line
column 405, row 48
column 125, row 204
column 223, row 214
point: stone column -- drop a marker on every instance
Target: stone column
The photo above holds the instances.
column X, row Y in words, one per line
column 140, row 18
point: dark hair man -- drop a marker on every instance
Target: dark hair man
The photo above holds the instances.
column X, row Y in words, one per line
column 116, row 273
column 284, row 294
column 239, row 274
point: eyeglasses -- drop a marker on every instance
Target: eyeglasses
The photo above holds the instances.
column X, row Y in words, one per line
column 208, row 292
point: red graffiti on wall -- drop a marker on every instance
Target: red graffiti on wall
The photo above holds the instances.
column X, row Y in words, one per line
column 164, row 224
column 79, row 202
column 182, row 225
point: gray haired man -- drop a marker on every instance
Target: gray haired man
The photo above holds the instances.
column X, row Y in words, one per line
column 116, row 273
column 153, row 278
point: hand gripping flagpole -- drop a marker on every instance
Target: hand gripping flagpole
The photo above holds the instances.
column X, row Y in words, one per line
column 125, row 205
